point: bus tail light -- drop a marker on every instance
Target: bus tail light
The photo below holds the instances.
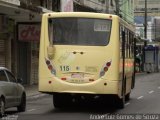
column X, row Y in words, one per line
column 51, row 67
column 91, row 80
column 108, row 64
column 105, row 68
column 63, row 78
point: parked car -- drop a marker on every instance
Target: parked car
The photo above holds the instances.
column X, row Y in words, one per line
column 12, row 93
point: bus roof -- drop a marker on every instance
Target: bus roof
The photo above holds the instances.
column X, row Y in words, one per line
column 80, row 14
column 90, row 15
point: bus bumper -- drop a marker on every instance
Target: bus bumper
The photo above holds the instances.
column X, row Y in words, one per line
column 100, row 86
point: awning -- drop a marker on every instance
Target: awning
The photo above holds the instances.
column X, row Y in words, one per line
column 19, row 14
column 10, row 2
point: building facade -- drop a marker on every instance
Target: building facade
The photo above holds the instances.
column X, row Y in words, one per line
column 126, row 10
column 152, row 7
column 17, row 54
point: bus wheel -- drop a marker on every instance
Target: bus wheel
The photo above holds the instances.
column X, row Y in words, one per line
column 61, row 100
column 57, row 100
column 133, row 81
column 127, row 97
column 121, row 101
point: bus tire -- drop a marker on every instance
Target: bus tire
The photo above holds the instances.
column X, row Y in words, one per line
column 120, row 104
column 127, row 97
column 61, row 100
column 133, row 81
column 57, row 101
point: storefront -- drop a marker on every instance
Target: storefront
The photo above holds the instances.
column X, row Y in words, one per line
column 20, row 53
column 151, row 63
column 28, row 51
column 7, row 34
column 3, row 37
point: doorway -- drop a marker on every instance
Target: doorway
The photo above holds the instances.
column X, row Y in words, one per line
column 23, row 62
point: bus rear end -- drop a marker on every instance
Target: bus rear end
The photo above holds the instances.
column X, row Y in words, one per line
column 79, row 55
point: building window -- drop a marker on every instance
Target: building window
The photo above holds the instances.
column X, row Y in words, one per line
column 56, row 5
column 102, row 1
column 111, row 3
column 47, row 4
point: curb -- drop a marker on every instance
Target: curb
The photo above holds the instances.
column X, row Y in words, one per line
column 140, row 73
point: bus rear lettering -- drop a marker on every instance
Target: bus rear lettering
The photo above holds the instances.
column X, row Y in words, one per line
column 64, row 68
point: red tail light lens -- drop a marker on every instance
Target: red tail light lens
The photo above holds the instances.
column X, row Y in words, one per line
column 50, row 67
column 91, row 80
column 108, row 64
column 63, row 78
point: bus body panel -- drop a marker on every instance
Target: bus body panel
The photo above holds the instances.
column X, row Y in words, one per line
column 93, row 57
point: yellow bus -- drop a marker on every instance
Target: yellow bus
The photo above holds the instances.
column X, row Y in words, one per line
column 84, row 55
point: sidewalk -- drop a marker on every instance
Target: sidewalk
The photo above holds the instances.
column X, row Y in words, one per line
column 140, row 73
column 32, row 92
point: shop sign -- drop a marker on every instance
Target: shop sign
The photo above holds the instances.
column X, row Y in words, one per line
column 14, row 2
column 28, row 32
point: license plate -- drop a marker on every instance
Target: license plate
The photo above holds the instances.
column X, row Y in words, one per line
column 77, row 81
column 77, row 75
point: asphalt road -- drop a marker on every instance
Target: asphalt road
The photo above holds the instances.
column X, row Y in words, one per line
column 145, row 99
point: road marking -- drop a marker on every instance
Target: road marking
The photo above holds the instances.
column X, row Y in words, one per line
column 127, row 104
column 140, row 97
column 31, row 110
column 159, row 87
column 150, row 92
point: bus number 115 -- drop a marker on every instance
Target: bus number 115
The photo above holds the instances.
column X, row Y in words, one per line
column 64, row 68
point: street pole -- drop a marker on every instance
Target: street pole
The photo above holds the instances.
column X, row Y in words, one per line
column 145, row 24
column 145, row 34
column 117, row 7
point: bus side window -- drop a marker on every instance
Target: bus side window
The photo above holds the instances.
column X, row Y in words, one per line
column 120, row 40
column 132, row 45
column 123, row 44
column 127, row 45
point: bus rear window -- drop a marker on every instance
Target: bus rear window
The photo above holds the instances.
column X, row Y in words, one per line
column 79, row 31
